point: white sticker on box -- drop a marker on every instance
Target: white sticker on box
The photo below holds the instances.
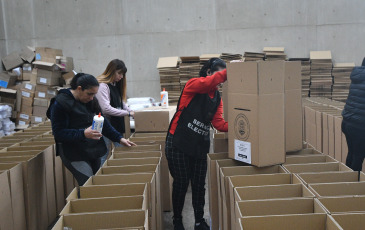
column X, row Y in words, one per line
column 38, row 119
column 43, row 80
column 28, row 86
column 242, row 151
column 21, row 122
column 41, row 94
column 51, row 92
column 25, row 94
column 24, row 116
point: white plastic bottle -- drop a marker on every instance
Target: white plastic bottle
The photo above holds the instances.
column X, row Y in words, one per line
column 98, row 123
column 164, row 98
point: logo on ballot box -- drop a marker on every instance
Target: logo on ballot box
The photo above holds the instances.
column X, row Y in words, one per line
column 242, row 127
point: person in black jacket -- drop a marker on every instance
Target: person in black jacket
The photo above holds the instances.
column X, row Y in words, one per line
column 353, row 123
column 71, row 114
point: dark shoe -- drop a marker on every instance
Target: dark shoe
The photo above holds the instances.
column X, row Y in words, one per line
column 202, row 225
column 178, row 225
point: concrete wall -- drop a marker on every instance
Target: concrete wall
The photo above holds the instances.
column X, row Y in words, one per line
column 141, row 31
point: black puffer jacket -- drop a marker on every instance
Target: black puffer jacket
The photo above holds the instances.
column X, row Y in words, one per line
column 354, row 111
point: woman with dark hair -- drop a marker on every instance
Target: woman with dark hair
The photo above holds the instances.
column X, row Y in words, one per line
column 112, row 96
column 71, row 113
column 188, row 139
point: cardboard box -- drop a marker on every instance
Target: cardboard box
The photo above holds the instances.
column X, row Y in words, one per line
column 8, row 96
column 12, row 61
column 27, row 55
column 336, row 205
column 133, row 161
column 327, row 177
column 68, row 77
column 154, row 119
column 317, row 167
column 338, row 138
column 104, row 204
column 122, row 155
column 33, row 76
column 127, row 169
column 310, row 126
column 338, row 189
column 26, row 94
column 304, row 152
column 47, row 79
column 35, row 119
column 39, row 111
column 293, row 106
column 349, row 220
column 67, row 63
column 133, row 219
column 25, row 115
column 6, row 212
column 139, row 148
column 315, row 221
column 256, row 111
column 41, row 102
column 28, row 87
column 308, row 159
column 220, row 144
column 46, row 54
column 213, row 187
column 26, row 102
column 7, row 79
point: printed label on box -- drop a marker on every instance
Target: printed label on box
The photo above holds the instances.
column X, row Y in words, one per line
column 242, row 151
column 3, row 84
column 41, row 94
column 38, row 119
column 28, row 86
column 24, row 116
column 21, row 122
column 25, row 94
column 43, row 80
column 52, row 92
column 27, row 68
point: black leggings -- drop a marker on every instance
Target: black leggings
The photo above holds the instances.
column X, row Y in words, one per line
column 356, row 146
column 82, row 170
column 185, row 169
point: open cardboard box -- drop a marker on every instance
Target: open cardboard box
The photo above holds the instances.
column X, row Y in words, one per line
column 122, row 155
column 349, row 221
column 308, row 159
column 317, row 221
column 132, row 161
column 338, row 189
column 249, row 180
column 131, row 219
column 220, row 143
column 327, row 177
column 105, row 204
column 307, row 151
column 336, row 205
column 127, row 169
column 139, row 148
column 288, row 206
column 317, row 167
column 213, row 187
column 154, row 119
column 6, row 211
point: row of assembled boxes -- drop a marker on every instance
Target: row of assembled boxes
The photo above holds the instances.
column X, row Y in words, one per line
column 310, row 191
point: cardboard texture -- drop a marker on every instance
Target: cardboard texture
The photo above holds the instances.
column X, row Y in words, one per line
column 327, row 177
column 122, row 155
column 7, row 80
column 27, row 55
column 317, row 167
column 293, row 106
column 349, row 220
column 12, row 61
column 286, row 222
column 220, row 145
column 133, row 219
column 257, row 127
column 132, row 161
column 139, row 148
column 6, row 211
column 154, row 119
column 308, row 159
column 39, row 111
column 213, row 187
column 127, row 169
column 59, row 186
column 304, row 152
column 336, row 205
column 28, row 87
column 26, row 72
column 47, row 54
column 338, row 189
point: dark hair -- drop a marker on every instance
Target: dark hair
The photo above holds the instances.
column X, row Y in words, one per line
column 213, row 65
column 86, row 81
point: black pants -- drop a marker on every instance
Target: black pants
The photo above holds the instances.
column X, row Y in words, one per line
column 81, row 170
column 185, row 169
column 356, row 146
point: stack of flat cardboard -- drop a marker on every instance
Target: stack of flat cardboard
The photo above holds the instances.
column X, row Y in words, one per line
column 341, row 80
column 204, row 58
column 274, row 53
column 321, row 73
column 168, row 68
column 252, row 56
column 306, row 71
column 228, row 57
column 189, row 68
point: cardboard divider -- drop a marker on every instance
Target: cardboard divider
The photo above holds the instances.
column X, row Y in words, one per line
column 338, row 189
column 127, row 169
column 122, row 155
column 308, row 159
column 139, row 148
column 336, row 205
column 317, row 167
column 132, row 161
column 277, row 207
column 213, row 187
column 327, row 177
column 349, row 220
column 132, row 219
column 6, row 211
column 142, row 135
column 307, row 151
column 19, row 153
column 104, row 204
column 317, row 221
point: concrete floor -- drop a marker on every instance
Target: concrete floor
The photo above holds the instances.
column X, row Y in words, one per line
column 188, row 212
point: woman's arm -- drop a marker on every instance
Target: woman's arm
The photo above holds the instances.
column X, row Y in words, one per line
column 60, row 121
column 103, row 97
column 205, row 84
column 218, row 121
column 110, row 132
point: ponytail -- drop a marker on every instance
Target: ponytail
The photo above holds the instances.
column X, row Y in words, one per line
column 86, row 81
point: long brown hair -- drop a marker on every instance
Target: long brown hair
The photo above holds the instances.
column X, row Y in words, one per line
column 109, row 74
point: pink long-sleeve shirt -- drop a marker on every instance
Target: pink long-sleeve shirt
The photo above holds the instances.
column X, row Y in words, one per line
column 103, row 97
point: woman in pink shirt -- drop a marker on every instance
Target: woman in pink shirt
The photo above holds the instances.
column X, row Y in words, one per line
column 112, row 96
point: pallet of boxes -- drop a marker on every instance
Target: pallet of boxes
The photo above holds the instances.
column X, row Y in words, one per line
column 267, row 179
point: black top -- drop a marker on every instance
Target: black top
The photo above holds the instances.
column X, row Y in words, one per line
column 116, row 102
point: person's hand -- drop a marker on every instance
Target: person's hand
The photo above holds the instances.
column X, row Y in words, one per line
column 92, row 134
column 131, row 113
column 126, row 142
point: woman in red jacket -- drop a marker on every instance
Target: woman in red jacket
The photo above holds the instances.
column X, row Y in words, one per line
column 188, row 139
